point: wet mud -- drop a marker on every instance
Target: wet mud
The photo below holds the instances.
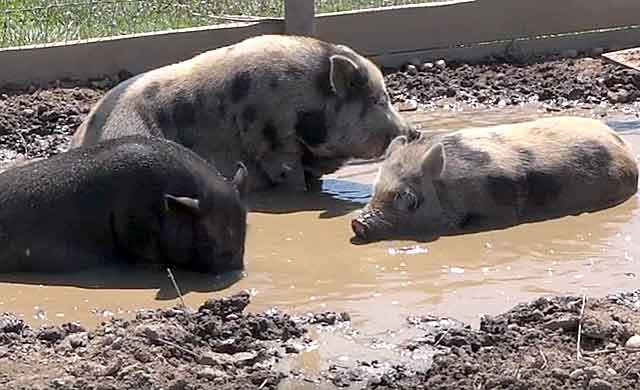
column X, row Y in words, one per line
column 563, row 342
column 217, row 346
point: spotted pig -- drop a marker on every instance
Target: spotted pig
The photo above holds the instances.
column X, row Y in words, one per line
column 289, row 107
column 132, row 200
column 494, row 177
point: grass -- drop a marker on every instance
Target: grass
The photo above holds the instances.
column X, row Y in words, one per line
column 26, row 22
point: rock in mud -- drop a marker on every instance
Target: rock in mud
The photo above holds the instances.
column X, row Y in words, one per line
column 566, row 323
column 329, row 318
column 9, row 323
column 77, row 340
column 227, row 306
column 210, row 373
column 633, row 342
column 210, row 358
column 51, row 334
column 599, row 384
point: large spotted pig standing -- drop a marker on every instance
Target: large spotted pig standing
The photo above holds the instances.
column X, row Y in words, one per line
column 288, row 107
column 495, row 177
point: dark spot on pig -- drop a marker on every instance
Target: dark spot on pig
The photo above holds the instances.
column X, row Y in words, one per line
column 200, row 101
column 270, row 133
column 111, row 99
column 591, row 157
column 311, row 127
column 183, row 112
column 456, row 148
column 503, row 190
column 542, row 188
column 161, row 118
column 240, row 86
column 150, row 92
column 222, row 108
column 249, row 114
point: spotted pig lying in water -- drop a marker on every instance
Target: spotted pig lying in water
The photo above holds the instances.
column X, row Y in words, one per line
column 494, row 177
column 144, row 201
column 291, row 108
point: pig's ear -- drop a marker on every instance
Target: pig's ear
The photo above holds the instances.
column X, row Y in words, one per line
column 345, row 75
column 181, row 204
column 241, row 179
column 396, row 144
column 434, row 160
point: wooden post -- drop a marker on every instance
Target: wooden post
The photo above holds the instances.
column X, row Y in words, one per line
column 299, row 17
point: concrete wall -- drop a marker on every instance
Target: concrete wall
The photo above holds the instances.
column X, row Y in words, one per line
column 449, row 24
column 134, row 53
column 464, row 29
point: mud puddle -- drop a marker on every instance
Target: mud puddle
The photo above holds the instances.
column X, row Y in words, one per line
column 299, row 259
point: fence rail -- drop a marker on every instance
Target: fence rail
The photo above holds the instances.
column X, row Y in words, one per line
column 390, row 32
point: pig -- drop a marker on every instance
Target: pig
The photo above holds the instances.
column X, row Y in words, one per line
column 291, row 108
column 136, row 200
column 491, row 178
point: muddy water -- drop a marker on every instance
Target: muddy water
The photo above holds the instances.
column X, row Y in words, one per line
column 299, row 258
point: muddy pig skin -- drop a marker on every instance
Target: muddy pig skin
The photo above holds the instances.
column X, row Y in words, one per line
column 487, row 178
column 134, row 200
column 291, row 108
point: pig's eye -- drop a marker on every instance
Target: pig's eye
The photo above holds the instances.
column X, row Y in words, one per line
column 406, row 201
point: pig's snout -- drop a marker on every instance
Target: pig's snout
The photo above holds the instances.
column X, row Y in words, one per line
column 369, row 225
column 359, row 228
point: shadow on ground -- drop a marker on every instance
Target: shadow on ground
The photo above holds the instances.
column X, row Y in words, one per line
column 125, row 278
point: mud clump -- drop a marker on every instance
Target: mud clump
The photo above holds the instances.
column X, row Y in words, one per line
column 532, row 346
column 40, row 123
column 216, row 347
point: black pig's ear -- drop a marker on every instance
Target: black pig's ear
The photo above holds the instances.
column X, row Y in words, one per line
column 181, row 204
column 241, row 179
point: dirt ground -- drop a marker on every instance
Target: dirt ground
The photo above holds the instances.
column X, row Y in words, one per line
column 557, row 83
column 216, row 347
column 532, row 346
column 219, row 346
